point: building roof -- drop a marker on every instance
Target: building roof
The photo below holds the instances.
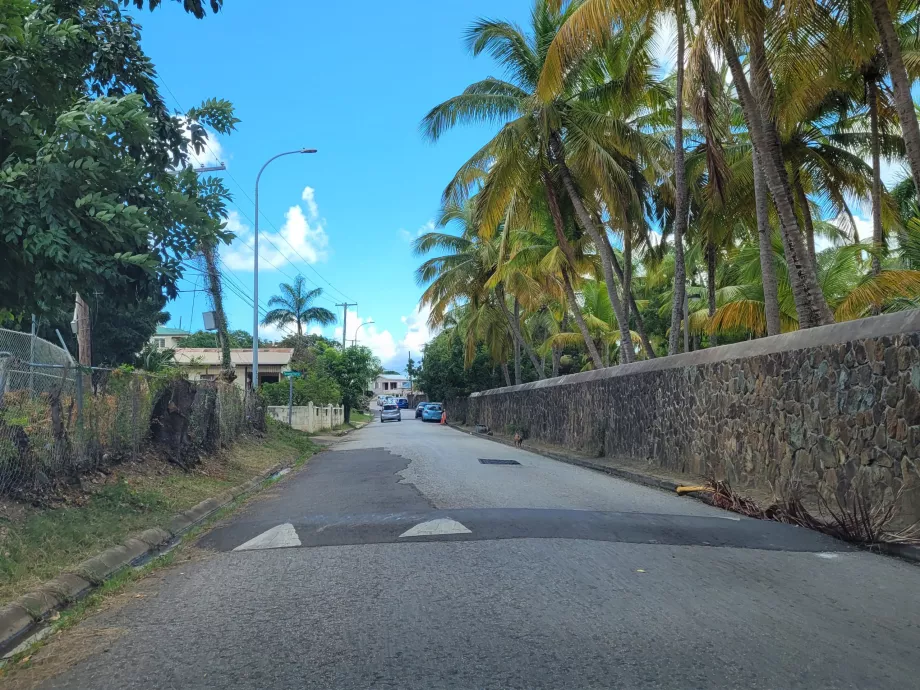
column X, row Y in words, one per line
column 210, row 356
column 390, row 377
column 163, row 330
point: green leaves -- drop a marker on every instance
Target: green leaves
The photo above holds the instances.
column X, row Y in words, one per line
column 88, row 196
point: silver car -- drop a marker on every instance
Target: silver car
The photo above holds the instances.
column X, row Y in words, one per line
column 390, row 413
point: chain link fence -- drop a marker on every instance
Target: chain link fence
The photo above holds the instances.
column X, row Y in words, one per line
column 59, row 420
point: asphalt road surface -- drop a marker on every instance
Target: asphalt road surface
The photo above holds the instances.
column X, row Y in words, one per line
column 398, row 560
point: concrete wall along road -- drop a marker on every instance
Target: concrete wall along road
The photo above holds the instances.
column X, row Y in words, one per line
column 310, row 418
column 836, row 409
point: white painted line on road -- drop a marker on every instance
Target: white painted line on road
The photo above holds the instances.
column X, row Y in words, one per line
column 827, row 555
column 276, row 538
column 728, row 517
column 436, row 527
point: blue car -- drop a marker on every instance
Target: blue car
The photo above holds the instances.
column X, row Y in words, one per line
column 402, row 403
column 432, row 412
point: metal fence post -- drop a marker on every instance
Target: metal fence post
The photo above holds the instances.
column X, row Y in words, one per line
column 290, row 401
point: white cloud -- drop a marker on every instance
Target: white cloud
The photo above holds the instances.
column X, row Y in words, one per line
column 273, row 332
column 381, row 342
column 408, row 236
column 417, row 331
column 393, row 352
column 309, row 195
column 300, row 239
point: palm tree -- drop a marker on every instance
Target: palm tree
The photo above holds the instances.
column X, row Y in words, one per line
column 467, row 272
column 295, row 305
column 571, row 145
column 593, row 20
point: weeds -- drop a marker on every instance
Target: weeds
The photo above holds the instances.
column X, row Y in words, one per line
column 853, row 517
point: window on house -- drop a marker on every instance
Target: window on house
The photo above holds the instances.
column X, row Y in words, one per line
column 161, row 342
column 206, row 377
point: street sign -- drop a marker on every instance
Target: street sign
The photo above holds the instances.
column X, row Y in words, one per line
column 292, row 374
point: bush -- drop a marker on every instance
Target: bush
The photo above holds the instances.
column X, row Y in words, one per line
column 315, row 387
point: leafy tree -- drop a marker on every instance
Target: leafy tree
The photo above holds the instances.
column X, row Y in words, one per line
column 237, row 339
column 295, row 305
column 353, row 370
column 316, row 387
column 194, row 7
column 443, row 373
column 95, row 189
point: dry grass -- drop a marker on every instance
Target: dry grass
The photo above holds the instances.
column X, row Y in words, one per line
column 37, row 544
column 853, row 517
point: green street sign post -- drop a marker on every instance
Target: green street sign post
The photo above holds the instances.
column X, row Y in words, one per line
column 291, row 375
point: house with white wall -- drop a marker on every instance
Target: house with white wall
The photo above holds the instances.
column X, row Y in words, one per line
column 393, row 384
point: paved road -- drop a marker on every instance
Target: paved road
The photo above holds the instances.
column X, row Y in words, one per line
column 398, row 560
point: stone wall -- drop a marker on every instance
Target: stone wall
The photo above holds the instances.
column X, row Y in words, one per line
column 836, row 409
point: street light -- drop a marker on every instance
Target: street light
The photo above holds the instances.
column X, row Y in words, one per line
column 255, row 271
column 354, row 342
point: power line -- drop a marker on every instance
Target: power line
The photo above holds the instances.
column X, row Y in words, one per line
column 268, row 220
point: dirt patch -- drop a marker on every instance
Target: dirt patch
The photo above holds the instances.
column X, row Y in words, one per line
column 65, row 650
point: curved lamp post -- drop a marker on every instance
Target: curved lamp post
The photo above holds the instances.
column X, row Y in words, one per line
column 355, row 341
column 255, row 274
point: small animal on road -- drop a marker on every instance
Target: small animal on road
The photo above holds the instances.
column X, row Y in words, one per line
column 518, row 439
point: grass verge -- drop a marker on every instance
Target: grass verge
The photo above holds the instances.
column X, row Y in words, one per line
column 39, row 544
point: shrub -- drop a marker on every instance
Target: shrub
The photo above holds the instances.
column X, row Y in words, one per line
column 315, row 387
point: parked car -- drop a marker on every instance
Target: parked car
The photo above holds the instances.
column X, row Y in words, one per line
column 432, row 412
column 390, row 413
column 419, row 408
column 402, row 403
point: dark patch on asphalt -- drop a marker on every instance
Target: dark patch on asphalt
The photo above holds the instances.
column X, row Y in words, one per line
column 352, row 497
column 530, row 523
column 334, row 483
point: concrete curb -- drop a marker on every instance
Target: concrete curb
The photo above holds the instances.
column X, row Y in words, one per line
column 23, row 615
column 907, row 552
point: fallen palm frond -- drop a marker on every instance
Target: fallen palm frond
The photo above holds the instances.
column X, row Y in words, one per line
column 853, row 517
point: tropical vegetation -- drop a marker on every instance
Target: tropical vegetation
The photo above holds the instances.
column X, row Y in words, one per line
column 628, row 208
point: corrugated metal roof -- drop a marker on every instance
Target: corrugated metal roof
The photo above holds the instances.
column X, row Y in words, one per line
column 163, row 330
column 209, row 356
column 390, row 377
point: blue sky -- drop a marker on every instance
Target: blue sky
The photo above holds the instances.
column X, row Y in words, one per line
column 352, row 80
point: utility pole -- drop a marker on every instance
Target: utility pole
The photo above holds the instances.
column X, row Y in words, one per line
column 84, row 336
column 345, row 306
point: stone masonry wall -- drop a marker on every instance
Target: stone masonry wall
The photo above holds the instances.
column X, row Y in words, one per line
column 835, row 408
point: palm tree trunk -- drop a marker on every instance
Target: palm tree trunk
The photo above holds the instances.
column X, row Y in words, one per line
column 604, row 251
column 904, row 103
column 580, row 321
column 506, row 373
column 517, row 344
column 878, row 236
column 557, row 355
column 802, row 200
column 680, row 190
column 811, row 306
column 765, row 239
column 711, row 286
column 640, row 322
column 627, row 272
column 516, row 332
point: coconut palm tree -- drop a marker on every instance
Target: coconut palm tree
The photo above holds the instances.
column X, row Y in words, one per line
column 572, row 145
column 593, row 20
column 295, row 305
column 466, row 273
